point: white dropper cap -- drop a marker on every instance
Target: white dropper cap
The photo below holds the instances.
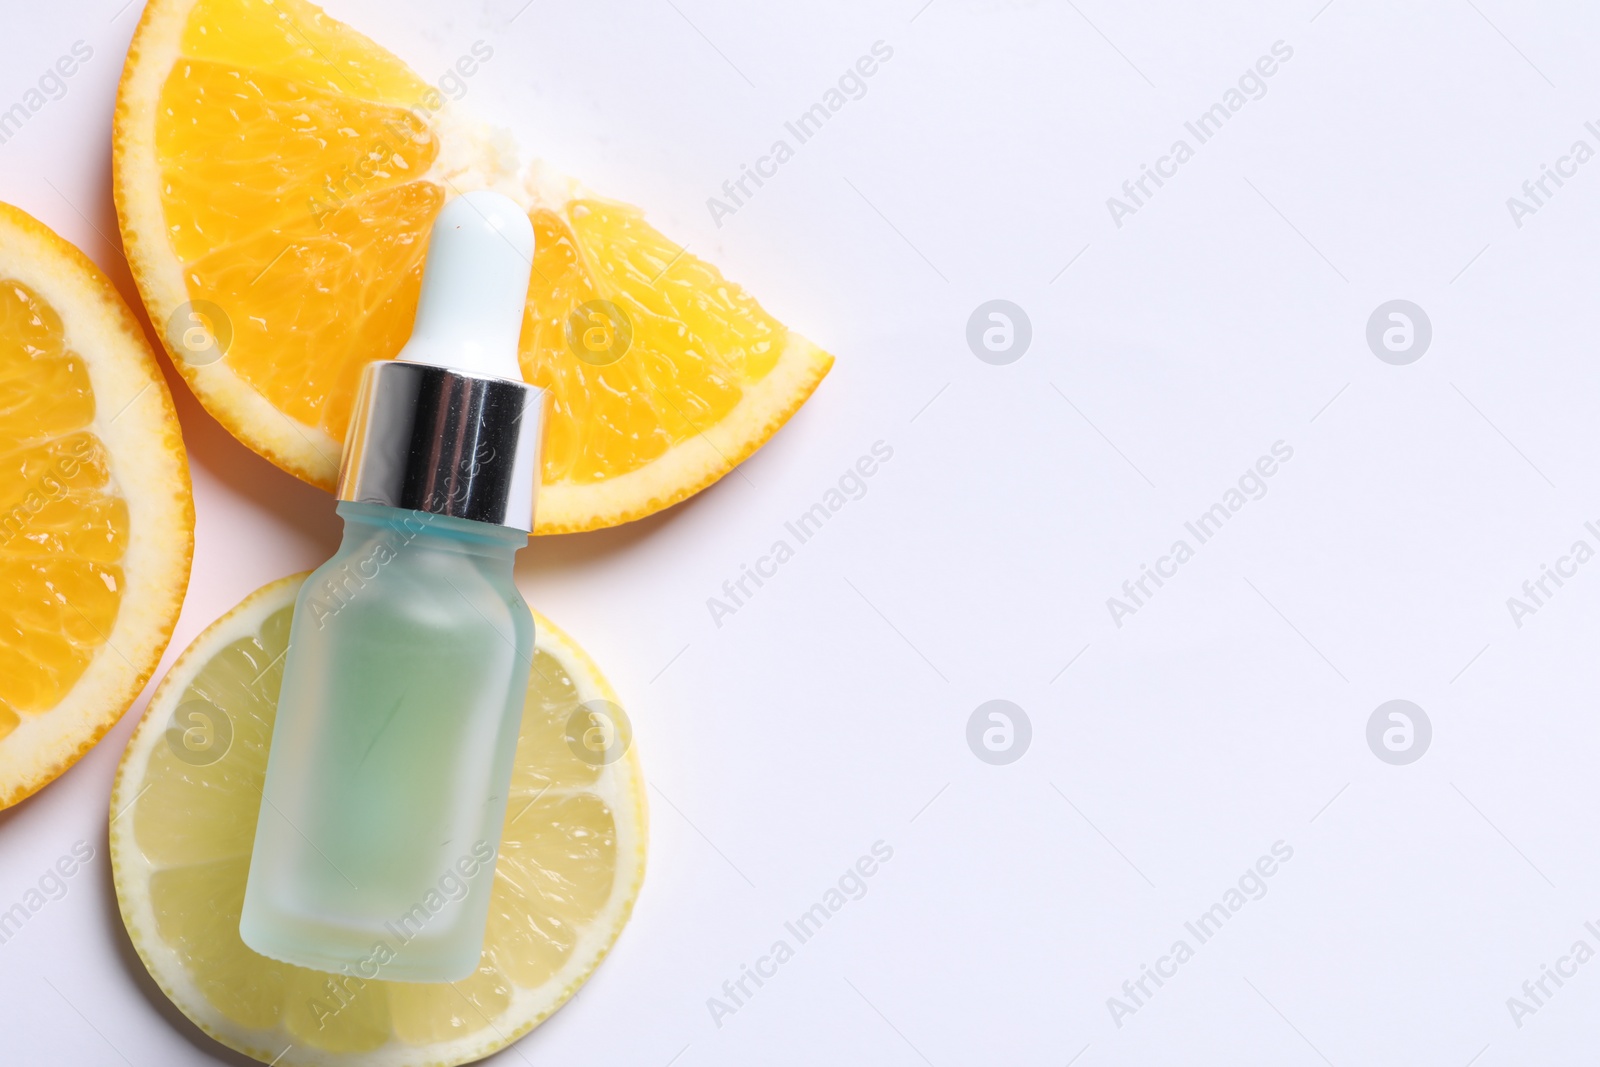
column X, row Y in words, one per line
column 474, row 287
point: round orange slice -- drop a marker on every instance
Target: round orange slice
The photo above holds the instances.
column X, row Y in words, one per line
column 276, row 174
column 96, row 520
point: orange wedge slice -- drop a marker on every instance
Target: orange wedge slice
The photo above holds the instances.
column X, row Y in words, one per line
column 276, row 174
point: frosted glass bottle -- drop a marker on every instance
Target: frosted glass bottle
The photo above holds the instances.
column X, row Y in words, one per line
column 409, row 653
column 393, row 748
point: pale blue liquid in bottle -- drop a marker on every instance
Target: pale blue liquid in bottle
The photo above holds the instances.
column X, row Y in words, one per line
column 408, row 659
column 392, row 752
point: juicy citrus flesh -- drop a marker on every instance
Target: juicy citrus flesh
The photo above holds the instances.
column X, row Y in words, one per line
column 565, row 865
column 690, row 340
column 63, row 521
column 298, row 210
column 96, row 517
column 300, row 166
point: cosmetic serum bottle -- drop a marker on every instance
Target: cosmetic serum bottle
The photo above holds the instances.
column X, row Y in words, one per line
column 408, row 660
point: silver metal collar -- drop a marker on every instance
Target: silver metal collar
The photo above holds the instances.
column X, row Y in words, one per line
column 430, row 439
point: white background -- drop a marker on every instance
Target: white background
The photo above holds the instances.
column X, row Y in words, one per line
column 830, row 711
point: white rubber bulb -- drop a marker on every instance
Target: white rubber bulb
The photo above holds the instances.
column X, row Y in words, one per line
column 474, row 287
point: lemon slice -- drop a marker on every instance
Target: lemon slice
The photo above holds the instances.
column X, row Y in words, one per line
column 276, row 174
column 96, row 520
column 183, row 817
